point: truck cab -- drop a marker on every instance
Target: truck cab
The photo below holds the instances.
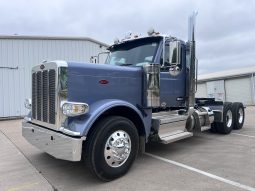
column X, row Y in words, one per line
column 104, row 114
column 139, row 52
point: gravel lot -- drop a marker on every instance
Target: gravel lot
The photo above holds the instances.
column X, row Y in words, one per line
column 204, row 162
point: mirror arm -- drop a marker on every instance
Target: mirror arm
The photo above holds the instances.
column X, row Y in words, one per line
column 107, row 52
column 163, row 53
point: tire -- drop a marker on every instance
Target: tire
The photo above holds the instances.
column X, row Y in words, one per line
column 227, row 125
column 238, row 115
column 99, row 155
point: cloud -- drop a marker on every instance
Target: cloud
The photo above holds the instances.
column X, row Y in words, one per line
column 225, row 28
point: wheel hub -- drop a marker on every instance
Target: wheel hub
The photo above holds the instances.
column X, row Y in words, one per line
column 117, row 148
column 240, row 115
column 229, row 118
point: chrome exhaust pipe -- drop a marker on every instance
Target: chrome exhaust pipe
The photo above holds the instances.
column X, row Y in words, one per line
column 192, row 66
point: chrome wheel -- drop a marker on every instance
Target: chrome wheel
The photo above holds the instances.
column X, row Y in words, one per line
column 117, row 148
column 240, row 115
column 229, row 118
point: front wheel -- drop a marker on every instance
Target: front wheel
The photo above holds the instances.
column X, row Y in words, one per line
column 112, row 147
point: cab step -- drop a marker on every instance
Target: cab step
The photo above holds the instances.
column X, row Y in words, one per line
column 168, row 117
column 174, row 136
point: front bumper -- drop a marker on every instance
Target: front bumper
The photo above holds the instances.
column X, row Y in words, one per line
column 56, row 144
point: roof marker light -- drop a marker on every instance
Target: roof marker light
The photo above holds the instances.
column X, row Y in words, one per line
column 128, row 35
column 116, row 41
column 151, row 31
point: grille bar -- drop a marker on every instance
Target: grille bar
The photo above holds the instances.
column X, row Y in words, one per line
column 34, row 96
column 39, row 95
column 52, row 97
column 44, row 96
column 45, row 93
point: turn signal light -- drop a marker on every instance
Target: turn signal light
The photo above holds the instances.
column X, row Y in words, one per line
column 28, row 103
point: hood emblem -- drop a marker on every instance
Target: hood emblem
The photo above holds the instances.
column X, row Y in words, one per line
column 42, row 66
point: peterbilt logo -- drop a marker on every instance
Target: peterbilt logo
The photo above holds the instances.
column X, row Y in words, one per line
column 42, row 66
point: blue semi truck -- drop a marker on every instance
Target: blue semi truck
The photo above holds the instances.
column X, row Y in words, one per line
column 104, row 114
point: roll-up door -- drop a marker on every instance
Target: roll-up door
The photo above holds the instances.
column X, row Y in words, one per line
column 239, row 90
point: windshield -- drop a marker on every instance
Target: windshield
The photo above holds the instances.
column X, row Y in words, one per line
column 133, row 53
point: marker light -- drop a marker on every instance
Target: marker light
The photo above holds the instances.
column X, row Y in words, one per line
column 128, row 35
column 116, row 41
column 74, row 108
column 151, row 31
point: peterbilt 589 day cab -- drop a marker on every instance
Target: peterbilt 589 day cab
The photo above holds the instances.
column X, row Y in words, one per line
column 105, row 113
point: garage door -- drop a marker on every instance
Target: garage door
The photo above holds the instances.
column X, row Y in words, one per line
column 201, row 90
column 239, row 90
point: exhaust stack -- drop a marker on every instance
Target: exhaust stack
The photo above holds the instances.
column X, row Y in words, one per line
column 192, row 23
column 192, row 54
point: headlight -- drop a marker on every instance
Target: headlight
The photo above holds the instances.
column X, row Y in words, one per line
column 74, row 108
column 28, row 103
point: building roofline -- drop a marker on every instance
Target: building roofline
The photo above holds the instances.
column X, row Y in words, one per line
column 227, row 74
column 32, row 37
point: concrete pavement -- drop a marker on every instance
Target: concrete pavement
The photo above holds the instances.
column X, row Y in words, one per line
column 16, row 172
column 228, row 156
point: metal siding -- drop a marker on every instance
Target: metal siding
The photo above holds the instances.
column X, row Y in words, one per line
column 201, row 90
column 1, row 80
column 239, row 90
column 15, row 85
column 253, row 88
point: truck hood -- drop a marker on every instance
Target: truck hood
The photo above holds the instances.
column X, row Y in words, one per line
column 101, row 70
column 120, row 82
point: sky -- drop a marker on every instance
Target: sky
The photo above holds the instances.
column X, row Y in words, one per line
column 225, row 30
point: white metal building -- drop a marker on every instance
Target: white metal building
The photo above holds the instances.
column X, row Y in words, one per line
column 19, row 53
column 232, row 85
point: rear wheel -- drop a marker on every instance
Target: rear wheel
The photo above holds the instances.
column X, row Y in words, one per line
column 226, row 126
column 112, row 147
column 238, row 115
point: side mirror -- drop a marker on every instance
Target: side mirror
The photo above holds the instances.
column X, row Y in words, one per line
column 175, row 57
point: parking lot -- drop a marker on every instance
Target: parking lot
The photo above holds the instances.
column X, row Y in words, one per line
column 204, row 162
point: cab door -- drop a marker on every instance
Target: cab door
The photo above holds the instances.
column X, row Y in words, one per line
column 173, row 75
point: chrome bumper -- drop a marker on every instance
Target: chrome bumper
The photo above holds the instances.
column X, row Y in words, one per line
column 56, row 144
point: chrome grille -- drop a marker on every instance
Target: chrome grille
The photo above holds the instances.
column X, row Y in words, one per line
column 44, row 96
